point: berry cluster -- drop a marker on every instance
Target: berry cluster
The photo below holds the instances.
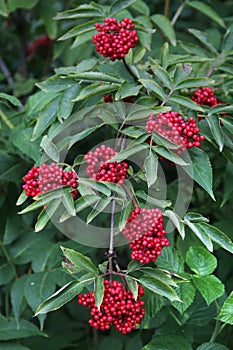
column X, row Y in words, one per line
column 145, row 231
column 173, row 126
column 205, row 96
column 118, row 308
column 48, row 177
column 108, row 98
column 99, row 169
column 114, row 40
column 42, row 42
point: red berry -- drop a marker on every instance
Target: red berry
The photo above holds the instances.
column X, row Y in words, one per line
column 48, row 177
column 145, row 231
column 119, row 308
column 114, row 40
column 99, row 169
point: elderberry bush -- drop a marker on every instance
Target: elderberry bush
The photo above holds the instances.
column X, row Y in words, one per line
column 116, row 166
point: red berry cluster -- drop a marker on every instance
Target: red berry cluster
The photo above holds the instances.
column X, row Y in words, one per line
column 118, row 308
column 145, row 231
column 114, row 40
column 42, row 42
column 48, row 177
column 108, row 98
column 99, row 169
column 205, row 96
column 173, row 126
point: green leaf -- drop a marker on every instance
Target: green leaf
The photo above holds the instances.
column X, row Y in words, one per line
column 226, row 313
column 186, row 293
column 194, row 82
column 50, row 148
column 221, row 108
column 210, row 287
column 10, row 331
column 159, row 287
column 153, row 303
column 167, row 154
column 68, row 203
column 38, row 287
column 83, row 134
column 79, row 260
column 46, row 214
column 65, row 106
column 186, row 102
column 171, row 260
column 217, row 236
column 47, row 12
column 216, row 130
column 24, row 4
column 7, row 272
column 161, row 74
column 175, row 219
column 94, row 90
column 164, row 55
column 96, row 186
column 212, row 346
column 3, row 8
column 200, row 233
column 168, row 342
column 61, row 297
column 207, row 10
column 151, row 167
column 82, row 11
column 46, row 117
column 201, row 170
column 181, row 72
column 21, row 139
column 128, row 151
column 140, row 112
column 195, row 217
column 85, row 202
column 203, row 37
column 127, row 89
column 201, row 261
column 98, row 208
column 79, row 30
column 12, row 99
column 153, row 201
column 119, row 5
column 132, row 285
column 56, row 84
column 159, row 274
column 22, row 198
column 165, row 26
column 98, row 76
column 99, row 291
column 83, row 38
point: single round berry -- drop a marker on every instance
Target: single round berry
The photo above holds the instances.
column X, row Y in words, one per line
column 118, row 308
column 145, row 231
column 176, row 129
column 114, row 40
column 101, row 170
column 48, row 177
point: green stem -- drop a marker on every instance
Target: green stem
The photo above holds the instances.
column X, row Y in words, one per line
column 217, row 330
column 6, row 120
column 215, row 65
column 166, row 8
column 176, row 319
column 167, row 98
column 178, row 12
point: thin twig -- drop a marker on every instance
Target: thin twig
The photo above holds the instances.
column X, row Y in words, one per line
column 6, row 72
column 215, row 65
column 178, row 13
column 166, row 8
column 131, row 196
